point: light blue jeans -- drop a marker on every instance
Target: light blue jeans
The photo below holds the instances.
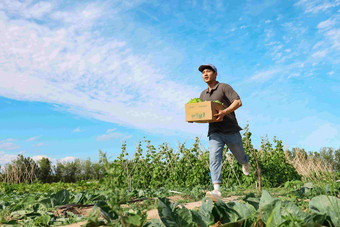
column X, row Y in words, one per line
column 216, row 145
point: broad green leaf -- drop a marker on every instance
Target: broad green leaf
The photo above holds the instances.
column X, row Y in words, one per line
column 10, row 222
column 252, row 200
column 312, row 225
column 134, row 219
column 206, row 211
column 266, row 199
column 197, row 218
column 308, row 185
column 43, row 220
column 46, row 202
column 19, row 214
column 154, row 223
column 225, row 213
column 315, row 218
column 184, row 217
column 173, row 216
column 271, row 208
column 33, row 214
column 137, row 218
column 105, row 210
column 234, row 224
column 243, row 210
column 78, row 198
column 328, row 205
column 204, row 217
column 165, row 212
column 274, row 218
column 60, row 198
column 290, row 208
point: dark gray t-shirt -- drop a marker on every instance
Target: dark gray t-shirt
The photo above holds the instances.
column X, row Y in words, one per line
column 225, row 94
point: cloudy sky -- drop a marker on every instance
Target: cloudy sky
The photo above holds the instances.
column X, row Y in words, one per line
column 78, row 76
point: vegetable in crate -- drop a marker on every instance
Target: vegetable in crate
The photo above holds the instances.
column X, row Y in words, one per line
column 195, row 100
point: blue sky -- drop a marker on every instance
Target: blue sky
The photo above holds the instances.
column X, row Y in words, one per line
column 79, row 76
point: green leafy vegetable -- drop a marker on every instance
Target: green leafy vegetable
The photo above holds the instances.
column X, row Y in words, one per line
column 195, row 100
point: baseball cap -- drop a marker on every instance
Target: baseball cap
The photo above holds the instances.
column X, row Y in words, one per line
column 202, row 67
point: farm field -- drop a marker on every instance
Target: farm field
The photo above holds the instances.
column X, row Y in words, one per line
column 60, row 204
column 166, row 187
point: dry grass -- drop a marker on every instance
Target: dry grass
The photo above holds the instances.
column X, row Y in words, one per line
column 311, row 168
column 16, row 175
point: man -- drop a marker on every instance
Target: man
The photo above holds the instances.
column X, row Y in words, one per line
column 224, row 132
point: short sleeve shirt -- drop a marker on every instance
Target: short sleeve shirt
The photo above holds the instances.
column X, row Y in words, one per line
column 225, row 94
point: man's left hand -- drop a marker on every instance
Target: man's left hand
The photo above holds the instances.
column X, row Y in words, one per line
column 220, row 114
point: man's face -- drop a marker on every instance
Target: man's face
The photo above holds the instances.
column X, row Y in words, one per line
column 209, row 75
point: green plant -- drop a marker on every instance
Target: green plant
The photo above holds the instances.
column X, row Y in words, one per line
column 266, row 211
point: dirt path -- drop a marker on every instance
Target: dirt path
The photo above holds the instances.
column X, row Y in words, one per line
column 153, row 214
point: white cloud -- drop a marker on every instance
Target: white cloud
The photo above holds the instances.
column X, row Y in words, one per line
column 82, row 16
column 265, row 75
column 294, row 75
column 331, row 31
column 334, row 37
column 327, row 23
column 6, row 158
column 7, row 140
column 150, row 15
column 316, row 6
column 67, row 159
column 113, row 135
column 26, row 9
column 8, row 146
column 77, row 130
column 111, row 130
column 319, row 54
column 95, row 77
column 38, row 145
column 323, row 135
column 39, row 157
column 33, row 138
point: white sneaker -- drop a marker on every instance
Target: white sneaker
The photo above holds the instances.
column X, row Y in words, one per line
column 246, row 168
column 214, row 195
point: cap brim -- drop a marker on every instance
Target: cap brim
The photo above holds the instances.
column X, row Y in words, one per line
column 202, row 67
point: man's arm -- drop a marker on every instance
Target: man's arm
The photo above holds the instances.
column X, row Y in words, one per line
column 234, row 106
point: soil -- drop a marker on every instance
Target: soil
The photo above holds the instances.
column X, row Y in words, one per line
column 152, row 214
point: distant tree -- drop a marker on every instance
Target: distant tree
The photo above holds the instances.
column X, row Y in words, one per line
column 72, row 171
column 22, row 169
column 45, row 170
column 297, row 151
column 337, row 160
column 59, row 170
column 87, row 170
column 331, row 156
column 98, row 171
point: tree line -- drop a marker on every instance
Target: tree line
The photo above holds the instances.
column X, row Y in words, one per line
column 185, row 167
column 25, row 169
